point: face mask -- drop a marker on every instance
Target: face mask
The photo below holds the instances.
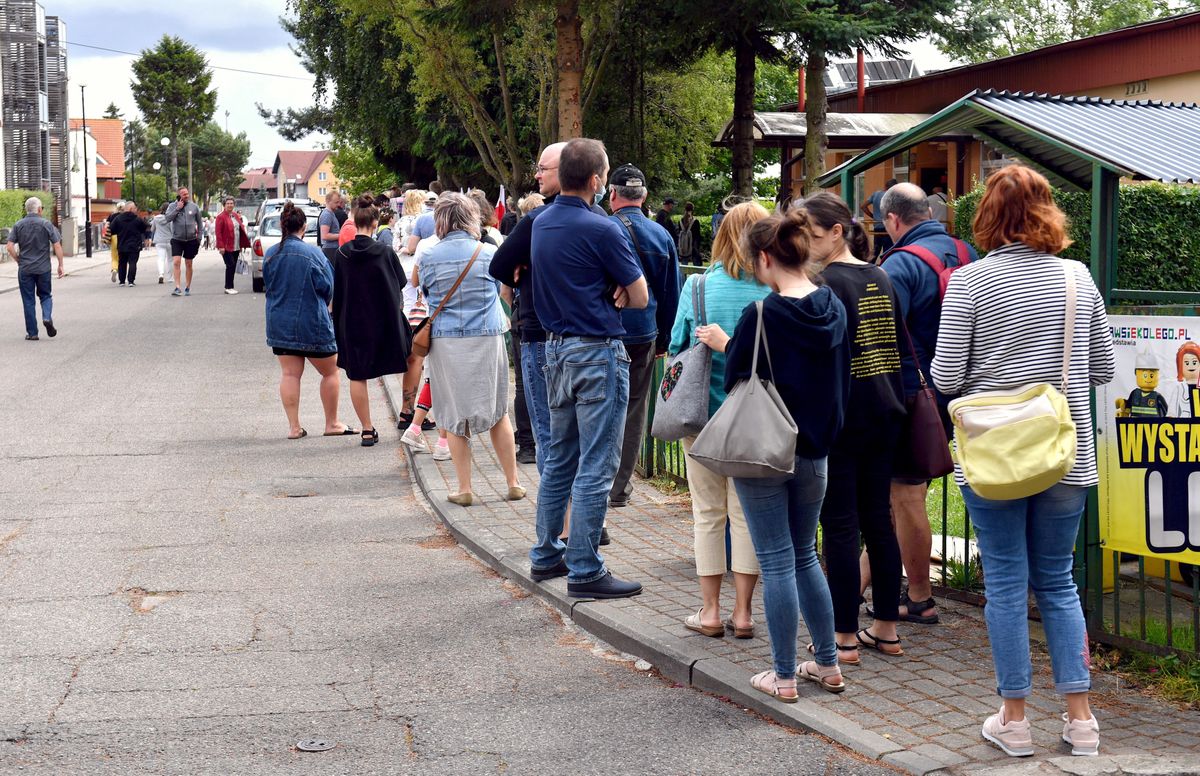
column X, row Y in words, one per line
column 600, row 194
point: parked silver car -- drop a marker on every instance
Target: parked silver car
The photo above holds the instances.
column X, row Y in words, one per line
column 270, row 233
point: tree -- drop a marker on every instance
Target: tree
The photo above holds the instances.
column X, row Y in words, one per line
column 151, row 189
column 1024, row 25
column 357, row 168
column 218, row 159
column 170, row 85
column 112, row 111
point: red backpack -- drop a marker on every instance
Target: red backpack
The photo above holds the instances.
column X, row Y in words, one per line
column 936, row 264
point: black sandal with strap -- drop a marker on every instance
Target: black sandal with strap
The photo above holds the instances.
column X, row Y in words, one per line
column 812, row 650
column 914, row 610
column 875, row 641
column 369, row 438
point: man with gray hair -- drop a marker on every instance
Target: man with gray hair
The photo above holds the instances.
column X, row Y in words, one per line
column 29, row 244
column 921, row 253
column 647, row 331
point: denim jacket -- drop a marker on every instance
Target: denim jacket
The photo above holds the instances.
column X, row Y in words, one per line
column 474, row 310
column 299, row 286
column 660, row 264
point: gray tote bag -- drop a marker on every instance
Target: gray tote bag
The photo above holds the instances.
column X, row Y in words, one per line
column 752, row 435
column 681, row 408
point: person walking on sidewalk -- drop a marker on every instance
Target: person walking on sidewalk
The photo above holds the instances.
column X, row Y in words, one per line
column 106, row 231
column 648, row 330
column 29, row 244
column 162, row 243
column 129, row 234
column 857, row 498
column 373, row 336
column 905, row 213
column 729, row 285
column 467, row 361
column 1002, row 327
column 328, row 224
column 805, row 327
column 186, row 227
column 231, row 240
column 299, row 289
column 578, row 259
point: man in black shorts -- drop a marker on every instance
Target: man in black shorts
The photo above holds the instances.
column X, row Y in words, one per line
column 187, row 226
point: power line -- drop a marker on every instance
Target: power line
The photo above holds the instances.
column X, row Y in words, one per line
column 214, row 67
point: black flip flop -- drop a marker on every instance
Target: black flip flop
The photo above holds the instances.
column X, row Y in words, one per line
column 303, row 434
column 347, row 431
column 875, row 641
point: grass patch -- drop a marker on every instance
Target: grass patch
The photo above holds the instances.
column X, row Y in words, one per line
column 1168, row 676
column 956, row 510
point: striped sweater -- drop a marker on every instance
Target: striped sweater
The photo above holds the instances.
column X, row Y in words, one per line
column 1002, row 326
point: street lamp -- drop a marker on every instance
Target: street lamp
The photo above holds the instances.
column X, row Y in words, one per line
column 87, row 196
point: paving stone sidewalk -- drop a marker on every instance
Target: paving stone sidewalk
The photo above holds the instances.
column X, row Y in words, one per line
column 920, row 712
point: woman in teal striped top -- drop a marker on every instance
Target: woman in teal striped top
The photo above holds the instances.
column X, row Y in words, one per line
column 729, row 286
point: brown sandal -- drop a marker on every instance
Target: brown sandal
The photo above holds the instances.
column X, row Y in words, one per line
column 693, row 623
column 739, row 633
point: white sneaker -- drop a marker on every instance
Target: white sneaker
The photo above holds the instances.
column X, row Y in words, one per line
column 1083, row 735
column 1014, row 738
column 231, row 291
column 416, row 441
column 441, row 452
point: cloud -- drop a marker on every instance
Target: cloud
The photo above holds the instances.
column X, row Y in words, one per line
column 249, row 25
column 108, row 77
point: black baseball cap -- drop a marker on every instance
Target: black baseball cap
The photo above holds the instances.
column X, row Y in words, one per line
column 627, row 175
column 669, row 201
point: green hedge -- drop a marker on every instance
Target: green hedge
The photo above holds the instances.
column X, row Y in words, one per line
column 1158, row 233
column 12, row 205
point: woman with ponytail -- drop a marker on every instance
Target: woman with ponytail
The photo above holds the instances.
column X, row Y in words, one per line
column 809, row 362
column 860, row 463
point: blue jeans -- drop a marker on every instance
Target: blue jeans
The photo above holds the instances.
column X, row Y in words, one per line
column 1028, row 543
column 41, row 284
column 587, row 382
column 782, row 513
column 533, row 365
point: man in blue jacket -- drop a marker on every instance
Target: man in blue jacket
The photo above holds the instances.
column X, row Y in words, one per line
column 647, row 331
column 584, row 274
column 906, row 216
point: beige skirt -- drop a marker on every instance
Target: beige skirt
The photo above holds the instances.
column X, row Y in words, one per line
column 468, row 377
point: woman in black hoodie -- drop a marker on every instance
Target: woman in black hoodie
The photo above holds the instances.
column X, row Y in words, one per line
column 806, row 326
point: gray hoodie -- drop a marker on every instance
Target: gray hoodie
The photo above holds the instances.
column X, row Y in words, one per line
column 186, row 223
column 162, row 230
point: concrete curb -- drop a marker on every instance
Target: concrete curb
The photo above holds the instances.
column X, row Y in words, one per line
column 674, row 657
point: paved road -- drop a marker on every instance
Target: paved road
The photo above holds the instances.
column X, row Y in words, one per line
column 184, row 591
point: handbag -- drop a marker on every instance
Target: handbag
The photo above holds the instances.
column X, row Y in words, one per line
column 243, row 266
column 923, row 452
column 682, row 406
column 1018, row 442
column 422, row 339
column 752, row 434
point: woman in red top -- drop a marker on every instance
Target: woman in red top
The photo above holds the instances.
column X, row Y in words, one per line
column 231, row 240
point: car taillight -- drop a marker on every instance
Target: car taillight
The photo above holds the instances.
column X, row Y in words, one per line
column 258, row 248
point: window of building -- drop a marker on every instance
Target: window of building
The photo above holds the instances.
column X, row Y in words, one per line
column 991, row 160
column 322, row 176
column 321, row 190
column 900, row 166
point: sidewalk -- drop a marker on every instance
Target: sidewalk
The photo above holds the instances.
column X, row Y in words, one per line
column 71, row 265
column 920, row 713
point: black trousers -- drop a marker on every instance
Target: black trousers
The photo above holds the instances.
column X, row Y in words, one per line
column 230, row 258
column 858, row 500
column 127, row 265
column 641, row 370
column 524, row 430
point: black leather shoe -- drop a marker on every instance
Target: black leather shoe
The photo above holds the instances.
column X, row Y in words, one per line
column 617, row 503
column 50, row 327
column 541, row 575
column 604, row 540
column 526, row 455
column 606, row 586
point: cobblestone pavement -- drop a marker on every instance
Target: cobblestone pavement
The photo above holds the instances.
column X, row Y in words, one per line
column 926, row 706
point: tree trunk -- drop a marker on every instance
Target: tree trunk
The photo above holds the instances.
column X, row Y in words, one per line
column 743, row 118
column 569, row 64
column 815, row 109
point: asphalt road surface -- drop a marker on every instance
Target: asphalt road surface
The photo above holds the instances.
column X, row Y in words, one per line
column 185, row 591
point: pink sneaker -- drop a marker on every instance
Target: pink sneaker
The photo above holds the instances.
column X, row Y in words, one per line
column 415, row 439
column 1083, row 735
column 1013, row 738
column 441, row 451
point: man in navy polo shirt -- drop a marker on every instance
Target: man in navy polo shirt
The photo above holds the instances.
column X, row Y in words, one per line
column 584, row 273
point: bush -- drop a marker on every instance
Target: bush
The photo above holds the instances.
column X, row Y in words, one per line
column 12, row 205
column 1158, row 233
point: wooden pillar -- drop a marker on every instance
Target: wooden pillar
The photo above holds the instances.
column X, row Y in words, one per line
column 785, row 170
column 862, row 85
column 801, row 86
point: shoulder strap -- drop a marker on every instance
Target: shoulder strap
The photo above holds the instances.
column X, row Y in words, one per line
column 698, row 300
column 924, row 254
column 457, row 283
column 637, row 248
column 761, row 334
column 964, row 254
column 1069, row 323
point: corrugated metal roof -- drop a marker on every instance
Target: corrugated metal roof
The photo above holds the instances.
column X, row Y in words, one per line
column 1065, row 136
column 790, row 126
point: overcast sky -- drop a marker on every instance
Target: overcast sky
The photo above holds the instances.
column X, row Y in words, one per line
column 245, row 35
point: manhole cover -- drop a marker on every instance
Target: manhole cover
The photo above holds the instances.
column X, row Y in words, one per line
column 315, row 745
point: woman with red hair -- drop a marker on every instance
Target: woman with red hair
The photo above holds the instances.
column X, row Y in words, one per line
column 1002, row 327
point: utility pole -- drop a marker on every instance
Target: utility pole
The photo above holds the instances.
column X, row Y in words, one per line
column 87, row 195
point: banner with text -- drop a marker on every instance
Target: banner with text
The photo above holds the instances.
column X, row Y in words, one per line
column 1149, row 439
